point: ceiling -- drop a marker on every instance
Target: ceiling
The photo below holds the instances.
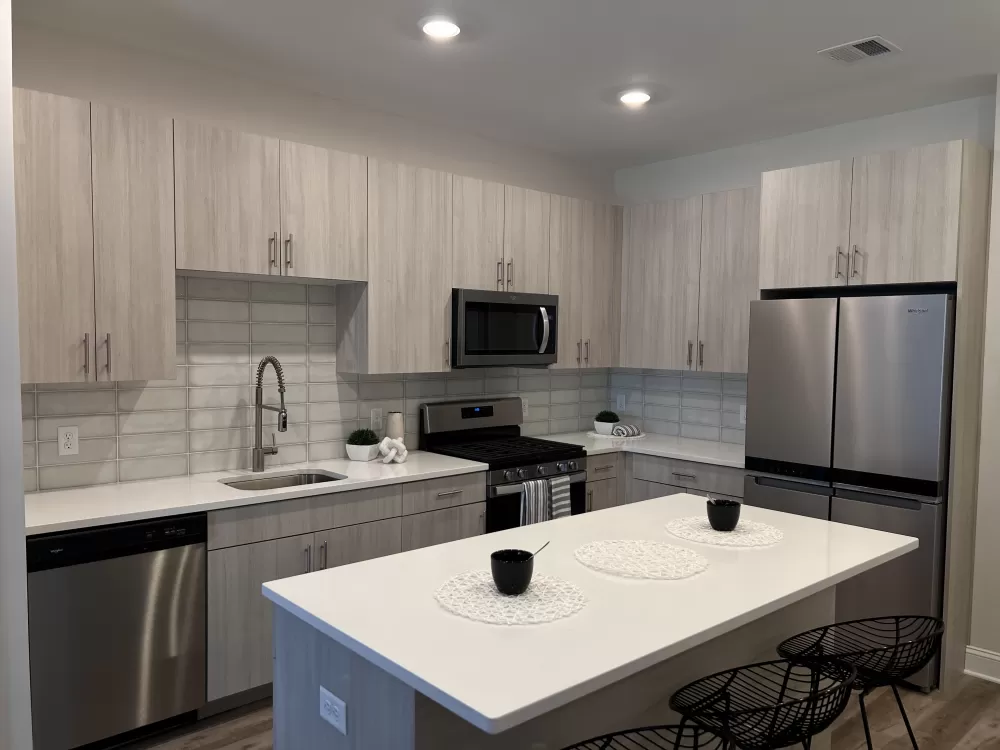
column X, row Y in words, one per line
column 545, row 73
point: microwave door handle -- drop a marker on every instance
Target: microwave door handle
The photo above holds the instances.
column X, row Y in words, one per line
column 545, row 330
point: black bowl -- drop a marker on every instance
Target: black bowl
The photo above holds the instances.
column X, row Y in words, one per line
column 512, row 569
column 724, row 515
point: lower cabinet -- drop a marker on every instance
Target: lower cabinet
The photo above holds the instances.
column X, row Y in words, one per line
column 642, row 489
column 440, row 526
column 603, row 494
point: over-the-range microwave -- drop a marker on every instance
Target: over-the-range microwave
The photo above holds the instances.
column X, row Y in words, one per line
column 503, row 329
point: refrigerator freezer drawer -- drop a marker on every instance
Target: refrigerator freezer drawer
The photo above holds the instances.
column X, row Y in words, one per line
column 894, row 392
column 786, row 497
column 790, row 381
column 909, row 585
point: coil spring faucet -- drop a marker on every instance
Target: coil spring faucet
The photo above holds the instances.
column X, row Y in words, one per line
column 259, row 451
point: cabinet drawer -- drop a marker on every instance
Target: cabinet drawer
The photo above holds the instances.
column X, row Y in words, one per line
column 446, row 492
column 689, row 475
column 602, row 467
column 440, row 526
column 302, row 515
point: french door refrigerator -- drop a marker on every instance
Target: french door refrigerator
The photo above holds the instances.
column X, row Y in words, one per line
column 848, row 412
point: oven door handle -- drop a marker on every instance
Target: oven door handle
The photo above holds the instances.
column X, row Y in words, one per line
column 545, row 330
column 517, row 489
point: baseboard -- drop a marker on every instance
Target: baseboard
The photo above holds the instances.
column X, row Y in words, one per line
column 982, row 663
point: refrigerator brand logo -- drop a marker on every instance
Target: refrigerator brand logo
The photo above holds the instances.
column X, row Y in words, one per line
column 917, row 310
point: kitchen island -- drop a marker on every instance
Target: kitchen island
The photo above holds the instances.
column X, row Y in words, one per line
column 413, row 675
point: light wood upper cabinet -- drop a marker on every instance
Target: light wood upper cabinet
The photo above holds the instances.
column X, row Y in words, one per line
column 642, row 231
column 133, row 245
column 227, row 202
column 602, row 289
column 905, row 215
column 478, row 227
column 729, row 278
column 526, row 240
column 324, row 213
column 406, row 307
column 805, row 225
column 55, row 237
column 571, row 240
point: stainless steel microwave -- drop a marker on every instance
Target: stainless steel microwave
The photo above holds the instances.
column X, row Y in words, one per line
column 503, row 329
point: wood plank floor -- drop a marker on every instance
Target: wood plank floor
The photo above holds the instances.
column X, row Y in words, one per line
column 967, row 718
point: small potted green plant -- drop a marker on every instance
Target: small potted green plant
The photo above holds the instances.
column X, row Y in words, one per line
column 362, row 445
column 605, row 422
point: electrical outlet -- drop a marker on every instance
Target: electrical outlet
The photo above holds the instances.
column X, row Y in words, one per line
column 621, row 402
column 524, row 408
column 69, row 440
column 377, row 421
column 743, row 413
column 332, row 710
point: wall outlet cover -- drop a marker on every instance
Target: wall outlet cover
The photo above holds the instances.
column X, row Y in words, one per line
column 524, row 408
column 620, row 402
column 743, row 414
column 332, row 710
column 377, row 420
column 69, row 440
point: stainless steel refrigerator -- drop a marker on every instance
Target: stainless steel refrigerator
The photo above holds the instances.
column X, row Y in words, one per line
column 848, row 412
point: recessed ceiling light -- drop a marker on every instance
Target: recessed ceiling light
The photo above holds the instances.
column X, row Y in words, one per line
column 634, row 98
column 440, row 29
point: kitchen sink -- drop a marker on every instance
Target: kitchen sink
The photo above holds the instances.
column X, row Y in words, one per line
column 277, row 481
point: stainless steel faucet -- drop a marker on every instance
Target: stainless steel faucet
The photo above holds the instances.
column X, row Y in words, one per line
column 259, row 451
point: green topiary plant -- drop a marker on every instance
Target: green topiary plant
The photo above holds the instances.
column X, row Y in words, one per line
column 606, row 416
column 363, row 436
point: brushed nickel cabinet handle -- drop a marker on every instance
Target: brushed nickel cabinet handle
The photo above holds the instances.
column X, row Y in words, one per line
column 586, row 356
column 449, row 493
column 579, row 351
column 701, row 354
column 836, row 268
column 602, row 468
column 323, row 555
column 689, row 477
column 309, row 557
column 510, row 275
column 272, row 249
column 288, row 251
column 447, row 351
column 590, row 500
column 690, row 352
column 86, row 354
column 107, row 345
column 500, row 275
column 854, row 262
column 482, row 522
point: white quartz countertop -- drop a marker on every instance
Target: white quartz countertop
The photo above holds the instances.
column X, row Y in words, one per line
column 664, row 446
column 62, row 510
column 497, row 677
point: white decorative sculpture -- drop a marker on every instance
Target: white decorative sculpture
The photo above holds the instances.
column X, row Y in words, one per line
column 392, row 450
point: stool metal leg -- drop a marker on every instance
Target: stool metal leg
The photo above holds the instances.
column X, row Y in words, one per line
column 864, row 719
column 906, row 720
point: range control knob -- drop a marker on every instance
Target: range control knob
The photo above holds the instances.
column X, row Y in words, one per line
column 520, row 473
column 508, row 475
column 573, row 466
column 562, row 466
column 542, row 471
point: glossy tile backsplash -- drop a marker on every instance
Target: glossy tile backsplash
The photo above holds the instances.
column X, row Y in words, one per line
column 202, row 421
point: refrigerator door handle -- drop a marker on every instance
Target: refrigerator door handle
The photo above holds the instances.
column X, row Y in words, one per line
column 798, row 484
column 884, row 497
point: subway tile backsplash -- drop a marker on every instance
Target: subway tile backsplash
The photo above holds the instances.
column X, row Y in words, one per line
column 202, row 421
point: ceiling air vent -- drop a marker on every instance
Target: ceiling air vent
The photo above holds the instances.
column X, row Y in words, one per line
column 873, row 46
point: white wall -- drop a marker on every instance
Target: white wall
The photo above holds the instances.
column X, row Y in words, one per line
column 15, row 697
column 88, row 69
column 741, row 166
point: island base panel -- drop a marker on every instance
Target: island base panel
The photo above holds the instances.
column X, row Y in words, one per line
column 385, row 713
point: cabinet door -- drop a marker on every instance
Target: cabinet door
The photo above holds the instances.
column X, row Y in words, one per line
column 296, row 556
column 643, row 231
column 55, row 237
column 440, row 526
column 133, row 245
column 363, row 541
column 729, row 278
column 904, row 215
column 670, row 288
column 642, row 489
column 324, row 213
column 571, row 238
column 804, row 225
column 409, row 257
column 239, row 617
column 227, row 212
column 526, row 240
column 603, row 494
column 602, row 287
column 478, row 225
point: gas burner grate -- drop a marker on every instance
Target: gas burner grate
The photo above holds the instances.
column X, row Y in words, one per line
column 504, row 449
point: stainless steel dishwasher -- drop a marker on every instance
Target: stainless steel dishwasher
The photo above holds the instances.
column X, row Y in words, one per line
column 116, row 620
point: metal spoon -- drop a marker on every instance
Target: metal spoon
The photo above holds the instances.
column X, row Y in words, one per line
column 542, row 547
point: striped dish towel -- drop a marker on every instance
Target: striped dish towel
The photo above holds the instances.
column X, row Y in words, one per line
column 536, row 504
column 559, row 489
column 625, row 430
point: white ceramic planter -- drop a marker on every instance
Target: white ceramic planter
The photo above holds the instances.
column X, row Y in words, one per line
column 362, row 452
column 604, row 428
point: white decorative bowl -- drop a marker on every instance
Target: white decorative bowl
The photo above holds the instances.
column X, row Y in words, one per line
column 604, row 428
column 362, row 452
